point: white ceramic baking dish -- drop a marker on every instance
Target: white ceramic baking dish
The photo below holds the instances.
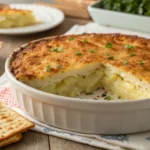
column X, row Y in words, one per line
column 119, row 19
column 81, row 115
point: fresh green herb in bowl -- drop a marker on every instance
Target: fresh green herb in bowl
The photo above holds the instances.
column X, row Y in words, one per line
column 140, row 7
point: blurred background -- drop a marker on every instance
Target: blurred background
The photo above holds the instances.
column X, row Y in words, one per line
column 23, row 1
column 69, row 7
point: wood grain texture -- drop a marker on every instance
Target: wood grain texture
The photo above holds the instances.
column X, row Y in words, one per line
column 31, row 141
column 62, row 144
column 70, row 9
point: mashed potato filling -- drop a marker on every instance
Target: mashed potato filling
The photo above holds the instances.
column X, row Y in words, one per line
column 73, row 86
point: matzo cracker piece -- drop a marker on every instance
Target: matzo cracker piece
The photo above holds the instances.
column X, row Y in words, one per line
column 12, row 123
column 10, row 140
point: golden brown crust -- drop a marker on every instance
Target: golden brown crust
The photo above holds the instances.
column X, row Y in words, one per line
column 9, row 11
column 31, row 61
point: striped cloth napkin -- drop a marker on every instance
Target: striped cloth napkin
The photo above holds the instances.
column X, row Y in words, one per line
column 139, row 141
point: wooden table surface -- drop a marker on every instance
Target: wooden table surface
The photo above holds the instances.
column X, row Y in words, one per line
column 34, row 140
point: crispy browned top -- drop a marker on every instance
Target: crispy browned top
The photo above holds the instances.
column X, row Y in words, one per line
column 50, row 56
column 10, row 11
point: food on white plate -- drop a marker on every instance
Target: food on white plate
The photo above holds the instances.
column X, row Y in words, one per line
column 74, row 64
column 12, row 125
column 11, row 17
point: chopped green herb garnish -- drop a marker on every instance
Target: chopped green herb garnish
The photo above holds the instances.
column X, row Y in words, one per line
column 59, row 66
column 78, row 53
column 141, row 62
column 59, row 49
column 92, row 51
column 108, row 45
column 56, row 49
column 109, row 56
column 125, row 62
column 132, row 54
column 85, row 41
column 53, row 49
column 103, row 95
column 48, row 68
column 71, row 39
column 107, row 98
column 127, row 46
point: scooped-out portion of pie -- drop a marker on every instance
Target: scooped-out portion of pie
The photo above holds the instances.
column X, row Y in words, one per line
column 74, row 64
column 10, row 17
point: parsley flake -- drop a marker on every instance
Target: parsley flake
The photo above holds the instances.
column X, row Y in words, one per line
column 132, row 54
column 107, row 98
column 108, row 45
column 109, row 56
column 59, row 66
column 56, row 49
column 71, row 39
column 78, row 53
column 53, row 49
column 103, row 95
column 141, row 62
column 48, row 68
column 125, row 62
column 128, row 46
column 85, row 41
column 92, row 51
column 59, row 49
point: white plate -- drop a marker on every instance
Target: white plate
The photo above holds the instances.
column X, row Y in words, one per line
column 48, row 16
